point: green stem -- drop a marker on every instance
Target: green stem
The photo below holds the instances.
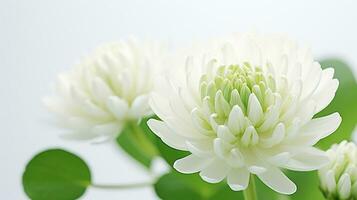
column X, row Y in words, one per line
column 121, row 186
column 250, row 193
column 143, row 140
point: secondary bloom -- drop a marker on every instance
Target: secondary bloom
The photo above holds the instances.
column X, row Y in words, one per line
column 338, row 178
column 99, row 95
column 245, row 105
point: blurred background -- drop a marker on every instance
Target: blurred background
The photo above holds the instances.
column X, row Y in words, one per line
column 40, row 38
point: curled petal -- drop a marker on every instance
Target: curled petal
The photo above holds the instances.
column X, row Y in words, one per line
column 215, row 172
column 238, row 179
column 191, row 164
column 167, row 135
column 308, row 159
column 319, row 128
column 277, row 181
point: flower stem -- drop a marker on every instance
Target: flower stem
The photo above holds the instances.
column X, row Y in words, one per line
column 250, row 193
column 143, row 140
column 121, row 186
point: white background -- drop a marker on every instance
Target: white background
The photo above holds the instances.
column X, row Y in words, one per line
column 39, row 38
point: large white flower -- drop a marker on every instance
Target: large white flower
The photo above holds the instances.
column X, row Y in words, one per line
column 245, row 105
column 339, row 178
column 98, row 96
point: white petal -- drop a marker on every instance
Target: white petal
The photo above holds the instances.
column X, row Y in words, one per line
column 256, row 169
column 236, row 120
column 222, row 107
column 238, row 179
column 221, row 148
column 110, row 129
column 236, row 100
column 140, row 107
column 200, row 148
column 200, row 123
column 118, row 107
column 344, row 186
column 312, row 80
column 78, row 96
column 255, row 111
column 319, row 128
column 76, row 123
column 306, row 111
column 330, row 181
column 275, row 138
column 212, row 121
column 272, row 115
column 235, row 158
column 308, row 159
column 101, row 90
column 191, row 164
column 224, row 133
column 167, row 135
column 326, row 90
column 280, row 159
column 215, row 172
column 94, row 110
column 159, row 105
column 250, row 136
column 277, row 181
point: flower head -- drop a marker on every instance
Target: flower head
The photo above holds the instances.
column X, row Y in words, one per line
column 245, row 105
column 98, row 96
column 339, row 178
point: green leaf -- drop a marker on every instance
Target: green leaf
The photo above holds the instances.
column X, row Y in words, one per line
column 307, row 184
column 176, row 186
column 139, row 142
column 344, row 102
column 57, row 175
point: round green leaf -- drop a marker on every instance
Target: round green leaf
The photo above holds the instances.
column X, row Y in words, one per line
column 179, row 186
column 57, row 175
column 174, row 186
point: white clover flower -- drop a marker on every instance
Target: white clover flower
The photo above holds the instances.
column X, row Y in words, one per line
column 245, row 105
column 338, row 178
column 107, row 89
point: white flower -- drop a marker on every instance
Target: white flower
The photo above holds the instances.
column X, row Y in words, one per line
column 107, row 89
column 245, row 105
column 338, row 178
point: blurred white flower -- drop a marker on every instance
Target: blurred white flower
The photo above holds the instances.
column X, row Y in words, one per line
column 338, row 178
column 98, row 96
column 245, row 105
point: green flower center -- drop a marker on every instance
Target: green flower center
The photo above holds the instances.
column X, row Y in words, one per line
column 237, row 97
column 234, row 84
